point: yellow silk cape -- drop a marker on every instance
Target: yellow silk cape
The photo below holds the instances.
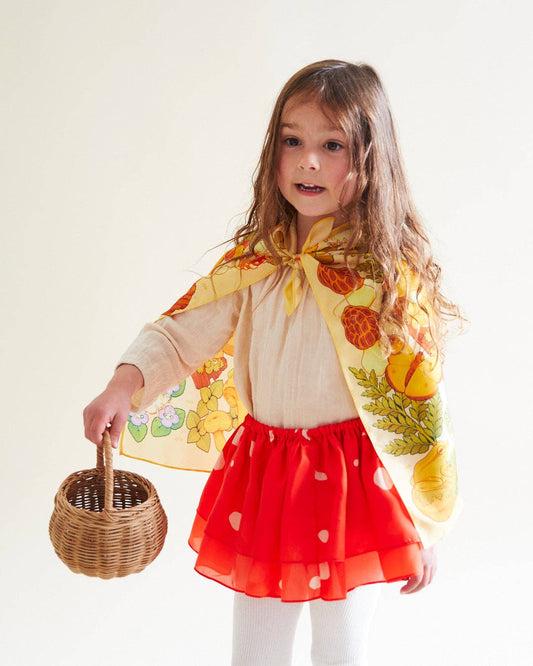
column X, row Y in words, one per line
column 400, row 398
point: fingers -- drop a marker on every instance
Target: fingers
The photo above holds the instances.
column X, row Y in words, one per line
column 116, row 428
column 95, row 425
column 417, row 583
column 102, row 413
column 95, row 428
column 412, row 585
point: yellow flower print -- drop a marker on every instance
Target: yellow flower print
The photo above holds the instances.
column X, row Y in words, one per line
column 209, row 421
column 197, row 433
column 236, row 408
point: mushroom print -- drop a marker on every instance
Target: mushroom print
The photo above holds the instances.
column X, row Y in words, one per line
column 360, row 326
column 358, row 318
column 339, row 280
column 215, row 424
column 360, row 323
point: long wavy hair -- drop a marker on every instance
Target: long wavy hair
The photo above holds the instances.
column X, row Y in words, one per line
column 381, row 213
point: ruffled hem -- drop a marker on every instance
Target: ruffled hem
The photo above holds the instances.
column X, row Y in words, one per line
column 299, row 581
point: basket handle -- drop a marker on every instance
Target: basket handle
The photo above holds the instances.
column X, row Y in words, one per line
column 101, row 451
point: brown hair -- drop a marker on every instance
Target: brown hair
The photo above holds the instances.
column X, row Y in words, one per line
column 381, row 213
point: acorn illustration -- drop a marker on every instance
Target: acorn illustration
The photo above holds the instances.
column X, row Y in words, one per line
column 360, row 326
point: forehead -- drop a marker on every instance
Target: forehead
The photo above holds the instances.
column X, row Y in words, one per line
column 298, row 112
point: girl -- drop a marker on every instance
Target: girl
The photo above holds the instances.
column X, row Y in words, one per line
column 316, row 341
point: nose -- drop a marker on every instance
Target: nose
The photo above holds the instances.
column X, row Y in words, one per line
column 309, row 161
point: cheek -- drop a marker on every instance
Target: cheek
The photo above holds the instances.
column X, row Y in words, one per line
column 279, row 180
column 339, row 170
column 347, row 183
column 282, row 171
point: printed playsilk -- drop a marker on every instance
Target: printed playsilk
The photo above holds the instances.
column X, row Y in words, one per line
column 400, row 398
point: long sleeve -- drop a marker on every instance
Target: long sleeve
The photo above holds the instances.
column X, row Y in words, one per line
column 168, row 351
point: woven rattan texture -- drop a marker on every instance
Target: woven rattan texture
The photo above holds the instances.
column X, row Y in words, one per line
column 107, row 523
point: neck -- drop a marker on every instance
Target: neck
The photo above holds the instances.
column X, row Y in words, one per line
column 304, row 225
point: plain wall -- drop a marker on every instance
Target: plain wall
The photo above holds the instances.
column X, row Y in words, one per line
column 130, row 131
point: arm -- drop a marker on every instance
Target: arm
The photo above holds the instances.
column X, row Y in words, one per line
column 162, row 355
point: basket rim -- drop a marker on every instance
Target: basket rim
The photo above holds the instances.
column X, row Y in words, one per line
column 60, row 499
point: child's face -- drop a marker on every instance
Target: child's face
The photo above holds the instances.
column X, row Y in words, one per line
column 313, row 163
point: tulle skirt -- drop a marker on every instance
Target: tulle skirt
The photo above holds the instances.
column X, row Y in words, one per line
column 302, row 514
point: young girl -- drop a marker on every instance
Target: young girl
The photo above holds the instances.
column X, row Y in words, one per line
column 316, row 341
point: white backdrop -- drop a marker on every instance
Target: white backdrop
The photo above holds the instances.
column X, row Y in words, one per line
column 130, row 131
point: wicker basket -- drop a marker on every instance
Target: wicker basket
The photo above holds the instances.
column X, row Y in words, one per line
column 107, row 523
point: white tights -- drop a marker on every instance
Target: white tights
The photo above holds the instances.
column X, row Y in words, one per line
column 264, row 629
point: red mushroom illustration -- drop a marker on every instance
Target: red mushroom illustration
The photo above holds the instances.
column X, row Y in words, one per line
column 360, row 326
column 339, row 280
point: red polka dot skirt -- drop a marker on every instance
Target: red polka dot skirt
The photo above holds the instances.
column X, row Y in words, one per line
column 302, row 514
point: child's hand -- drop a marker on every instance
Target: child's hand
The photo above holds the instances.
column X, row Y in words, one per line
column 112, row 406
column 416, row 583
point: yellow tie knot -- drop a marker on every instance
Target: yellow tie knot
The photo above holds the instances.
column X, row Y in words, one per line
column 293, row 288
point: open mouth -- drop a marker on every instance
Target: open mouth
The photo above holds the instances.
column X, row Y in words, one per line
column 307, row 187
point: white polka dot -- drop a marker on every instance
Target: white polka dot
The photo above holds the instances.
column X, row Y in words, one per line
column 271, row 435
column 252, row 447
column 238, row 435
column 220, row 462
column 356, row 462
column 232, row 463
column 306, row 434
column 235, row 520
column 314, row 583
column 323, row 570
column 280, row 584
column 382, row 479
column 323, row 535
column 321, row 476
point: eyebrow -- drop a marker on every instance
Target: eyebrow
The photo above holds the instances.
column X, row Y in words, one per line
column 294, row 126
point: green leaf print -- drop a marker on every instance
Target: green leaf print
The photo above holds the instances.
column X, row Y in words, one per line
column 401, row 447
column 158, row 429
column 179, row 390
column 181, row 413
column 138, row 432
column 434, row 417
column 418, row 422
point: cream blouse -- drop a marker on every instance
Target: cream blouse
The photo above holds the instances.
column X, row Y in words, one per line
column 287, row 372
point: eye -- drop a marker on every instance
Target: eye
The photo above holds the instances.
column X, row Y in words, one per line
column 291, row 141
column 333, row 146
